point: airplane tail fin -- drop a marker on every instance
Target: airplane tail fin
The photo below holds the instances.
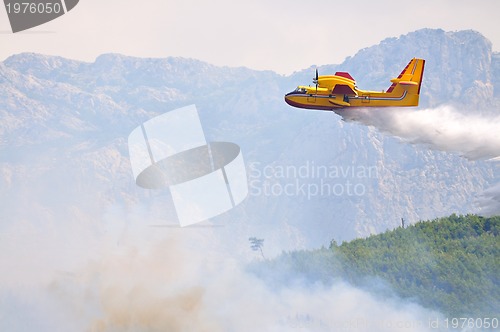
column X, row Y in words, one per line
column 410, row 78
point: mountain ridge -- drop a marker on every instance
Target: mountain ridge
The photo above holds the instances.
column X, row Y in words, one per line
column 79, row 113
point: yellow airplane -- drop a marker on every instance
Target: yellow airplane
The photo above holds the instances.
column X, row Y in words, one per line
column 340, row 90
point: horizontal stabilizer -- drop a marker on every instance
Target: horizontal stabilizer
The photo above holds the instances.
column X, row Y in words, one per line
column 408, row 83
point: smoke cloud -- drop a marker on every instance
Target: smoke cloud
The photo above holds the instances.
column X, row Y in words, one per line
column 131, row 277
column 443, row 128
column 178, row 285
column 76, row 270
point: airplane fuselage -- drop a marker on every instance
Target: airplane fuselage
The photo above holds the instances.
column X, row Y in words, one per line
column 328, row 101
column 340, row 90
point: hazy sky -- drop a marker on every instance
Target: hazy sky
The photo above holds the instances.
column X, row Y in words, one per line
column 281, row 35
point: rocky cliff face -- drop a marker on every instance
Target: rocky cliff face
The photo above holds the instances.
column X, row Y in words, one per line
column 411, row 182
column 64, row 126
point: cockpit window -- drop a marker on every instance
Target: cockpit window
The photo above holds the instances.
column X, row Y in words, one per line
column 301, row 90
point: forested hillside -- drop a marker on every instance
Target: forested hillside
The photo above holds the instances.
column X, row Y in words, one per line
column 448, row 264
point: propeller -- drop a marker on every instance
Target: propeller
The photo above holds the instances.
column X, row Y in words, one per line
column 315, row 80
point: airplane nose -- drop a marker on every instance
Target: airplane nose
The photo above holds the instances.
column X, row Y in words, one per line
column 287, row 98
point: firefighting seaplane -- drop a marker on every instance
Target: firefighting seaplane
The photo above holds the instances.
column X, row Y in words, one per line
column 332, row 92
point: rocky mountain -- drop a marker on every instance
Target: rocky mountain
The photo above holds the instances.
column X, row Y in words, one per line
column 312, row 176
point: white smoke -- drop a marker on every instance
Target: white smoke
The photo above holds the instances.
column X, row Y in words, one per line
column 178, row 285
column 85, row 271
column 144, row 279
column 443, row 128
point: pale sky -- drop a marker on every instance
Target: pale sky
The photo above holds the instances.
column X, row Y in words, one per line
column 280, row 35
